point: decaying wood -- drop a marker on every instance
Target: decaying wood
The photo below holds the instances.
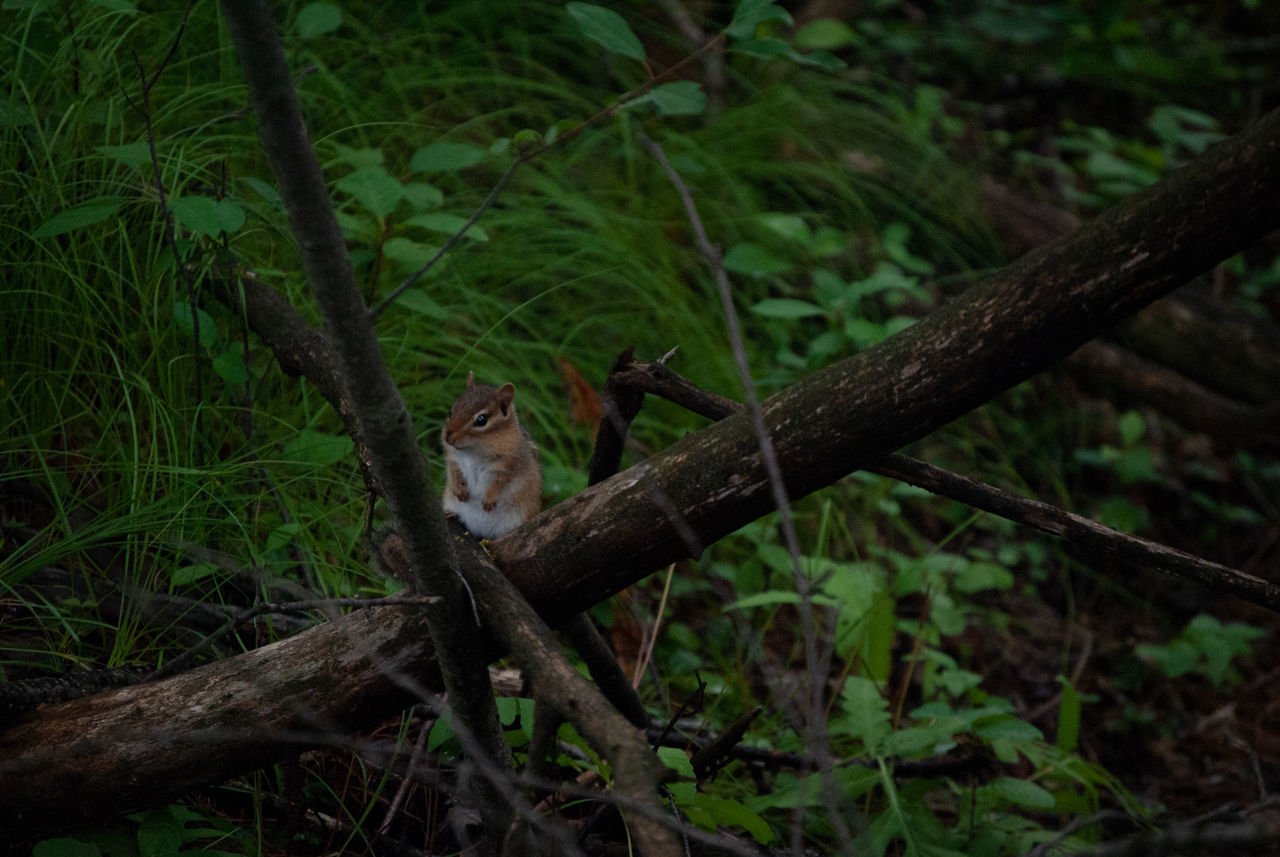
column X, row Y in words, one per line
column 147, row 744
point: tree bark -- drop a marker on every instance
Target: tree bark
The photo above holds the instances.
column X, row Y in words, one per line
column 150, row 743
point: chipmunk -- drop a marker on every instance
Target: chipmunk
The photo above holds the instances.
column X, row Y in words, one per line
column 495, row 478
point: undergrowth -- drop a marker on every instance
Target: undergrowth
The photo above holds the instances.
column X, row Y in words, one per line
column 147, row 462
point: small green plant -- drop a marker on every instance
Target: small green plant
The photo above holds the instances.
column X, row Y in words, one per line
column 1205, row 647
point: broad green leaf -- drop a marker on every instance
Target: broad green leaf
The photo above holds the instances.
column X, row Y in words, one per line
column 207, row 216
column 374, row 188
column 415, row 301
column 1022, row 793
column 677, row 760
column 754, row 260
column 408, row 253
column 315, row 19
column 445, row 157
column 732, row 813
column 313, row 447
column 448, row 224
column 679, row 98
column 786, row 308
column 130, row 154
column 606, row 28
column 86, row 213
column 264, row 190
column 826, row 33
column 421, row 195
column 182, row 318
column 159, row 834
column 979, row 575
column 230, row 365
column 788, row 226
column 1132, row 427
column 751, row 13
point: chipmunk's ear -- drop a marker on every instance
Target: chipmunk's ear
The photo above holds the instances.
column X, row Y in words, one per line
column 471, row 380
column 505, row 395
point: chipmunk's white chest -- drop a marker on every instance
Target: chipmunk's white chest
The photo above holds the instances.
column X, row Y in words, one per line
column 478, row 472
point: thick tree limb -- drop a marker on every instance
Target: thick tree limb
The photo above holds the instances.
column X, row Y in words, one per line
column 238, row 714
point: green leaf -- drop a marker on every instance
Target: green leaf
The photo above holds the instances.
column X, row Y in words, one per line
column 86, row 213
column 776, row 596
column 445, row 157
column 866, row 713
column 315, row 19
column 374, row 188
column 410, row 254
column 230, row 365
column 313, row 447
column 282, row 536
column 207, row 216
column 731, row 813
column 754, row 260
column 751, row 13
column 448, row 224
column 677, row 760
column 182, row 318
column 159, row 834
column 415, row 301
column 1022, row 793
column 826, row 33
column 787, row 226
column 132, row 155
column 606, row 28
column 1132, row 427
column 190, row 573
column 787, row 308
column 679, row 98
column 767, row 49
column 977, row 576
column 264, row 190
column 421, row 195
column 1068, row 718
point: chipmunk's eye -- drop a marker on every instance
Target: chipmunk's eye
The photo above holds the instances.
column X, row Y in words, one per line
column 481, row 419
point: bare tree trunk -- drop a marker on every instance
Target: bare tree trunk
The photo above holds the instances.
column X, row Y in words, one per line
column 149, row 743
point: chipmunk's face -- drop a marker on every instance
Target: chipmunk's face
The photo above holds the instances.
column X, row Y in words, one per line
column 479, row 417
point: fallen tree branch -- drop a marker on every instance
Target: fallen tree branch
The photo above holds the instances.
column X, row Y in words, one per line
column 149, row 743
column 660, row 380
